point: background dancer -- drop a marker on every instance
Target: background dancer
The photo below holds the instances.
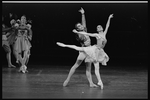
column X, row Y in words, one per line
column 8, row 35
column 22, row 44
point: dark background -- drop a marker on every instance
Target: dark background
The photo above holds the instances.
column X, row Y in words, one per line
column 51, row 22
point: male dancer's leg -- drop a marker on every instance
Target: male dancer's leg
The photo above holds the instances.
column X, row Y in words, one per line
column 79, row 60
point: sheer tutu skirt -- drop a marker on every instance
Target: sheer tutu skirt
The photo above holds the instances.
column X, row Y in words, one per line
column 22, row 44
column 96, row 54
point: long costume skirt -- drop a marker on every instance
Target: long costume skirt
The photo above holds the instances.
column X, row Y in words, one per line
column 22, row 44
column 96, row 54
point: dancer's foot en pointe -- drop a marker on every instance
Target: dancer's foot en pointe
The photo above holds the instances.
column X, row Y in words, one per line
column 61, row 44
column 100, row 84
column 65, row 83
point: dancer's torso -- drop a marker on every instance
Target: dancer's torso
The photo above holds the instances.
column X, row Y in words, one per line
column 101, row 41
column 22, row 32
column 84, row 40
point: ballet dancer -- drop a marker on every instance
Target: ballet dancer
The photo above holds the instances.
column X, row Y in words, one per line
column 22, row 44
column 85, row 42
column 8, row 35
column 95, row 53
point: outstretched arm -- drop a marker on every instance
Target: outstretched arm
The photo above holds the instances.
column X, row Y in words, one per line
column 83, row 18
column 85, row 33
column 108, row 23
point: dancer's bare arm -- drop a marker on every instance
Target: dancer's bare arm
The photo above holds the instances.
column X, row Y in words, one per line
column 85, row 33
column 83, row 18
column 108, row 23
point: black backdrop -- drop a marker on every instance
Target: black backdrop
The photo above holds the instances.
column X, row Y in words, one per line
column 51, row 22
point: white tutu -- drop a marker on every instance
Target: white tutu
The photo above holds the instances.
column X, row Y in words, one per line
column 96, row 54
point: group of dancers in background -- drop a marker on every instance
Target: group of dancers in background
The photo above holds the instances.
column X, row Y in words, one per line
column 19, row 36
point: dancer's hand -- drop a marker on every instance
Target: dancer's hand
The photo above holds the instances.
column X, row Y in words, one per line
column 111, row 16
column 74, row 30
column 81, row 10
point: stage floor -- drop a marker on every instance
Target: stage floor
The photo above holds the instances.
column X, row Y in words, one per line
column 46, row 82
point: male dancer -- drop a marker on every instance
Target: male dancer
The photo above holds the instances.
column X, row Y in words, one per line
column 85, row 42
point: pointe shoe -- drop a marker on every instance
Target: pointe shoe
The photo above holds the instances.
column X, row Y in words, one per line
column 65, row 83
column 61, row 44
column 100, row 84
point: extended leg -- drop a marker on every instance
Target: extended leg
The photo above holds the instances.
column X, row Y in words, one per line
column 70, row 46
column 72, row 70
